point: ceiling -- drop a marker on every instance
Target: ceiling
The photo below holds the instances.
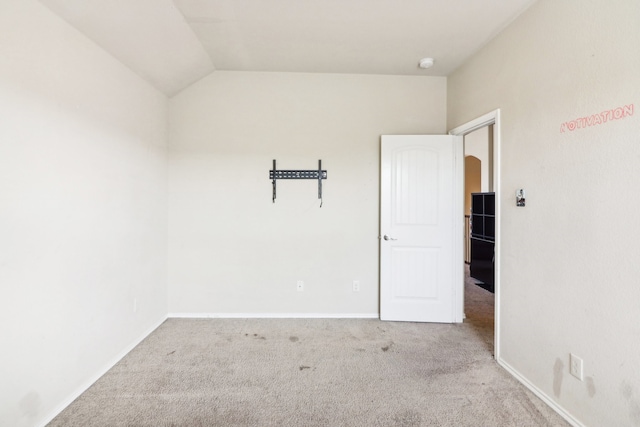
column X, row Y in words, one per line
column 173, row 43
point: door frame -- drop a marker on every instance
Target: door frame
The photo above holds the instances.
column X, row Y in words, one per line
column 491, row 118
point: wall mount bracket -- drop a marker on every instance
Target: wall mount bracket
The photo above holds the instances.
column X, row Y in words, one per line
column 318, row 174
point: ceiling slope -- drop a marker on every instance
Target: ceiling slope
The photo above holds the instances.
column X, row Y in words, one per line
column 346, row 36
column 148, row 36
column 173, row 43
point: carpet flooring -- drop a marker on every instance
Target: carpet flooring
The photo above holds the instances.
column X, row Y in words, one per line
column 313, row 372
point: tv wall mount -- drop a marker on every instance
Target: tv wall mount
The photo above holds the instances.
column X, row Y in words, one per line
column 318, row 174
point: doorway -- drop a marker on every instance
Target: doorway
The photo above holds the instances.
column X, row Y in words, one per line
column 491, row 122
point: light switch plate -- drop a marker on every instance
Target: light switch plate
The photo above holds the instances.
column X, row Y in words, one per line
column 520, row 197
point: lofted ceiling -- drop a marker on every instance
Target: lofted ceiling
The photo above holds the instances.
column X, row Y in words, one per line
column 173, row 43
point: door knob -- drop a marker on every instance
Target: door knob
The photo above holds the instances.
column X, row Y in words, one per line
column 388, row 238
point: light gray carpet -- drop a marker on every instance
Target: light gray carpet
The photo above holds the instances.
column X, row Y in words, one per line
column 313, row 372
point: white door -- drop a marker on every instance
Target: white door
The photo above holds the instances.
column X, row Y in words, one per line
column 421, row 228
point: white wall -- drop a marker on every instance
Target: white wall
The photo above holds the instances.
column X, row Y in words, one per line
column 569, row 258
column 82, row 212
column 231, row 250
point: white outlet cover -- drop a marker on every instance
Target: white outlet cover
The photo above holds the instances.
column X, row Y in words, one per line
column 575, row 366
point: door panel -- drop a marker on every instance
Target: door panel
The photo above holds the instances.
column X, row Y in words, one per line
column 414, row 272
column 418, row 222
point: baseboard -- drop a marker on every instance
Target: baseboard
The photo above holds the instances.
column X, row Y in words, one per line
column 274, row 315
column 542, row 395
column 100, row 373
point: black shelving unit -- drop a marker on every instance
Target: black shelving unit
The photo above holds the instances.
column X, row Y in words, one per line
column 483, row 237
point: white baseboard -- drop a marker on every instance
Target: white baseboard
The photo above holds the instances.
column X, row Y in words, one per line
column 84, row 387
column 542, row 395
column 274, row 315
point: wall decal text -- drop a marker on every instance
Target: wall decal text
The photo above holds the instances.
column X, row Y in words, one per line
column 597, row 119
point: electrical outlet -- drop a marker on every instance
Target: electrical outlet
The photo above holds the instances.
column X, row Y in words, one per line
column 356, row 286
column 300, row 286
column 575, row 366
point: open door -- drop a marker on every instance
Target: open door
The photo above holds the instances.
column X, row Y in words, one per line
column 421, row 229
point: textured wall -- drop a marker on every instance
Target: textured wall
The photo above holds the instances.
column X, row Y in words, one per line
column 569, row 269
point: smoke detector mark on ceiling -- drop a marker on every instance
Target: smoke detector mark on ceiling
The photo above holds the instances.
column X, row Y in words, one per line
column 426, row 63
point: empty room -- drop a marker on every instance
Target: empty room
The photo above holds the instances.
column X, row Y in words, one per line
column 252, row 213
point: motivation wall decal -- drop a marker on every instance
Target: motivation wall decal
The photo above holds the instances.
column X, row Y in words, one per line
column 597, row 119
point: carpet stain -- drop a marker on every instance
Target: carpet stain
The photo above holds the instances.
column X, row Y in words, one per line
column 302, row 367
column 407, row 419
column 294, row 339
column 256, row 336
column 387, row 347
column 558, row 372
column 170, row 353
